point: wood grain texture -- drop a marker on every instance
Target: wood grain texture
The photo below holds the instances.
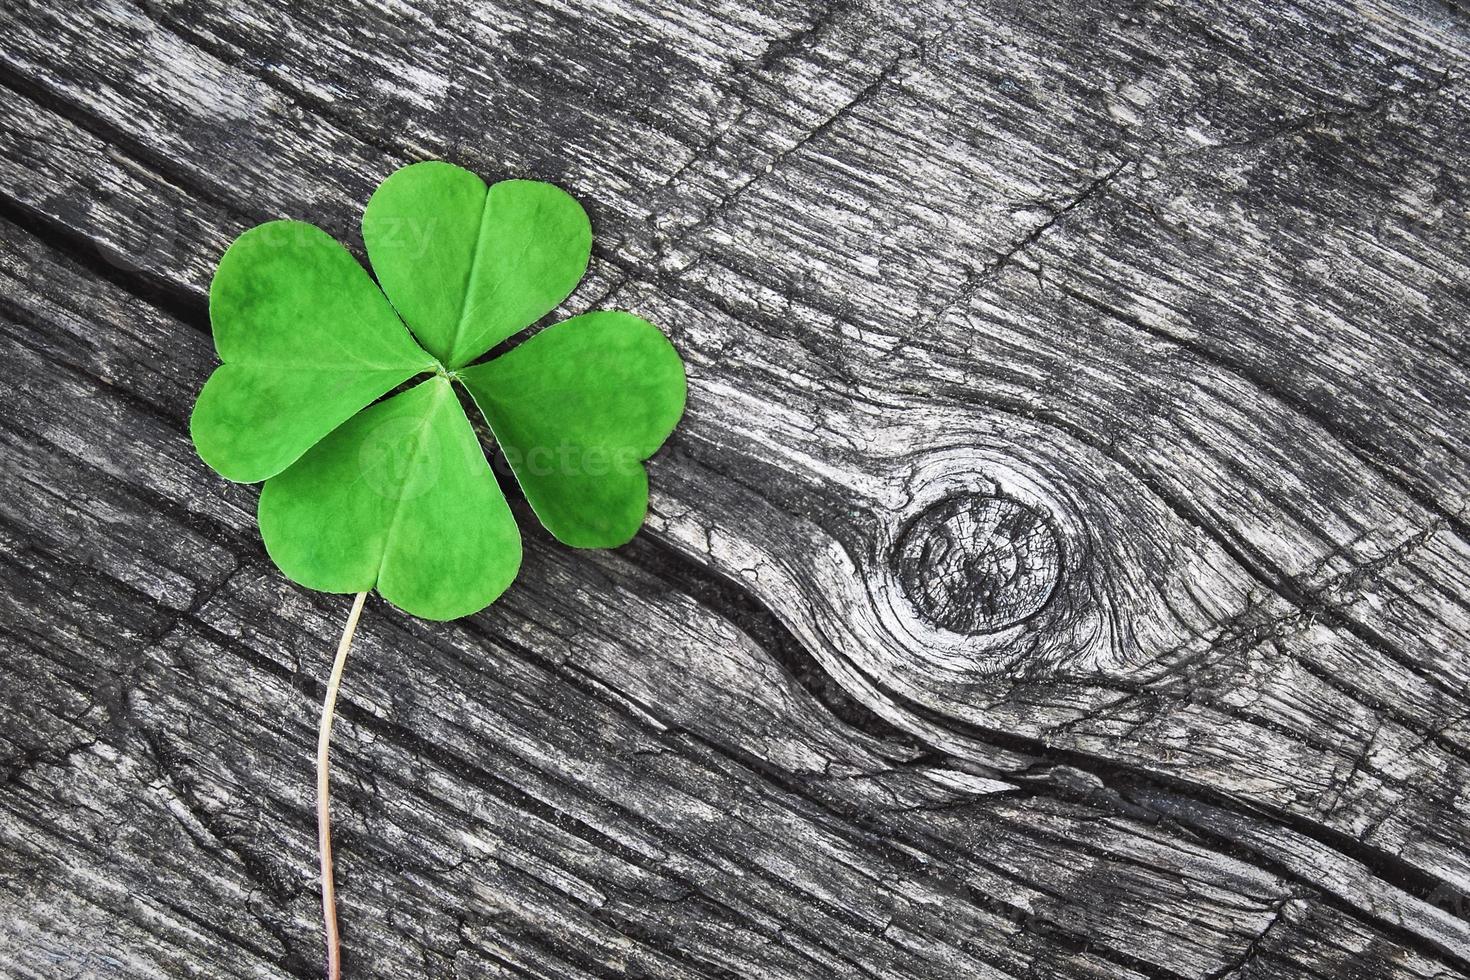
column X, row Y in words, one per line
column 1061, row 571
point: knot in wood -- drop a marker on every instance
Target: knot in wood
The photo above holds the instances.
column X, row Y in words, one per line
column 978, row 563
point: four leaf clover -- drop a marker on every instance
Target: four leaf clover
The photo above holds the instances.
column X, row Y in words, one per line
column 395, row 493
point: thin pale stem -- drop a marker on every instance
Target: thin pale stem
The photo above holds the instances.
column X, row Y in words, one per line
column 323, row 794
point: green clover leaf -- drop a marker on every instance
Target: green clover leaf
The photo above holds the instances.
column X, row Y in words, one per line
column 396, row 494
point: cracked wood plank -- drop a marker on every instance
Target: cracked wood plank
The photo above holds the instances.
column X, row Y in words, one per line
column 1179, row 291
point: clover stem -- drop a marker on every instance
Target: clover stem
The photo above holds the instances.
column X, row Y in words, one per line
column 323, row 796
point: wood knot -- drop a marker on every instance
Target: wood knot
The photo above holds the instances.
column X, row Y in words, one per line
column 978, row 562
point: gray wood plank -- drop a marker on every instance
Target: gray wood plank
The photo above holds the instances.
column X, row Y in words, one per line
column 1162, row 308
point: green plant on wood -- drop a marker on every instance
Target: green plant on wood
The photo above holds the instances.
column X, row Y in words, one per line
column 364, row 492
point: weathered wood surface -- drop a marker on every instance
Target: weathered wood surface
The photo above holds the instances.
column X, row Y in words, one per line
column 1062, row 570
